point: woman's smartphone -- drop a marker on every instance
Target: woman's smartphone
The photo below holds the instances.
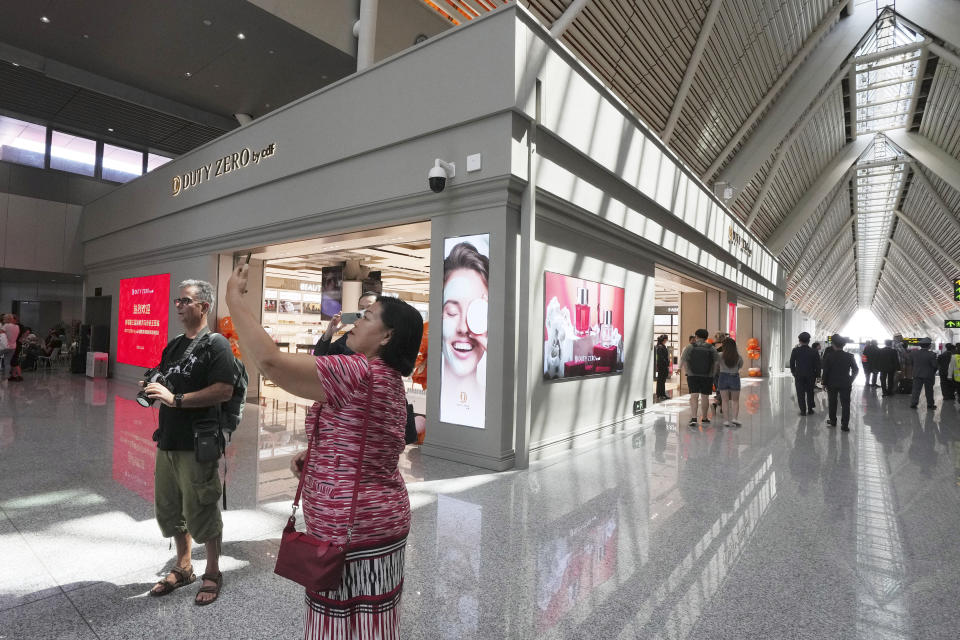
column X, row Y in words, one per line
column 350, row 317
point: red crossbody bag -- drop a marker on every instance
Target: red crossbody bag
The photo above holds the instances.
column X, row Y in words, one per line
column 305, row 559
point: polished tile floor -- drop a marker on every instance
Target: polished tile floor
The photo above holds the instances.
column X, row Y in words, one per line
column 783, row 528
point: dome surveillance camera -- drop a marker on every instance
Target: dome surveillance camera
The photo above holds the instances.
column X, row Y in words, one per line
column 439, row 174
column 437, row 178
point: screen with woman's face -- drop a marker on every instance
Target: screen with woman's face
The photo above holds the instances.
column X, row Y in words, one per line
column 464, row 330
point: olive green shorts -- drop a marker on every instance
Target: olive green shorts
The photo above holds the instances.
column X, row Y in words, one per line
column 186, row 494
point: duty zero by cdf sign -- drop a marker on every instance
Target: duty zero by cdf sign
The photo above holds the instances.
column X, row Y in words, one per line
column 220, row 167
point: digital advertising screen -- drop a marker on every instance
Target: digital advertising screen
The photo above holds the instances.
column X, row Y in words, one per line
column 463, row 382
column 331, row 292
column 143, row 314
column 583, row 328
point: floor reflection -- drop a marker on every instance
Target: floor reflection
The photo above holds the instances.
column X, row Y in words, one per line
column 782, row 528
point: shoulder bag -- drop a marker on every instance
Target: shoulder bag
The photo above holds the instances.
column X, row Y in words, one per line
column 305, row 559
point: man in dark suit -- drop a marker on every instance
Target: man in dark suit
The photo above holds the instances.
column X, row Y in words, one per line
column 805, row 367
column 839, row 371
column 872, row 366
column 662, row 360
column 943, row 365
column 889, row 365
column 925, row 369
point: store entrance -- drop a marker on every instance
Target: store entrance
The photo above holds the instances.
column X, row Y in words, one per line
column 307, row 286
column 681, row 306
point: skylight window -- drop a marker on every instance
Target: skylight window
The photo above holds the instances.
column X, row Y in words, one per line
column 879, row 180
column 886, row 69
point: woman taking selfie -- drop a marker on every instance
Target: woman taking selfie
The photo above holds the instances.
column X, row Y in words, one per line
column 353, row 394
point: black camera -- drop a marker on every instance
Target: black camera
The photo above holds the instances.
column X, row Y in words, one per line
column 152, row 375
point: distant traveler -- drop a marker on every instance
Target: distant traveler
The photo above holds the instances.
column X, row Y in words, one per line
column 905, row 372
column 943, row 368
column 9, row 333
column 662, row 360
column 816, row 347
column 839, row 371
column 889, row 365
column 871, row 368
column 805, row 367
column 954, row 369
column 728, row 382
column 925, row 370
column 187, row 492
column 699, row 362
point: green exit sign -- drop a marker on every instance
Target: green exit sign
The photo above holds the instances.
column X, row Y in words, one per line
column 951, row 324
column 956, row 289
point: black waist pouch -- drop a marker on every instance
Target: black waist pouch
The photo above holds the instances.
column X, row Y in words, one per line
column 207, row 441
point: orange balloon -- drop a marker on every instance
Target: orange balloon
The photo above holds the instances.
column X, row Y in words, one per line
column 709, row 340
column 226, row 325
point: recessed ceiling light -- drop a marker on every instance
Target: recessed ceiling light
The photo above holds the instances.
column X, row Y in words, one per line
column 110, row 129
column 86, row 36
column 271, row 52
column 44, row 19
column 207, row 22
column 187, row 74
column 323, row 77
column 267, row 105
column 216, row 86
column 16, row 64
column 240, row 36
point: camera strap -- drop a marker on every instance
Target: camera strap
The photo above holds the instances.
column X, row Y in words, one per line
column 193, row 345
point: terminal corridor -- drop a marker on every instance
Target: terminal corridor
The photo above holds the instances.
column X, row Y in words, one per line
column 783, row 528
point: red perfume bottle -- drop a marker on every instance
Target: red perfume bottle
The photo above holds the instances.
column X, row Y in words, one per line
column 582, row 312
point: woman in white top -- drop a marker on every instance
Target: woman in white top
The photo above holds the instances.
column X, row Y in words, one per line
column 728, row 382
column 8, row 342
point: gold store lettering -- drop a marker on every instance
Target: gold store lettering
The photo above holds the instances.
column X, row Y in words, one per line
column 221, row 166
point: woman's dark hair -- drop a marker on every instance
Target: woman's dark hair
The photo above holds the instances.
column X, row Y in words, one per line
column 730, row 355
column 407, row 326
column 466, row 256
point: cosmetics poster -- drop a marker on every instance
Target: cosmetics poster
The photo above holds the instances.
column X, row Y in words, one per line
column 463, row 383
column 143, row 314
column 583, row 328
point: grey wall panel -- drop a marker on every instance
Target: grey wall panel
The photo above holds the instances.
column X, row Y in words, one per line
column 389, row 185
column 72, row 247
column 68, row 295
column 492, row 446
column 567, row 408
column 408, row 97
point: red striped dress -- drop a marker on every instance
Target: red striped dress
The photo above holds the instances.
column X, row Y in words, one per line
column 367, row 604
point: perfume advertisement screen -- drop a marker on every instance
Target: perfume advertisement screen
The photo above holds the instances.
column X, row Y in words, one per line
column 582, row 328
column 463, row 383
column 143, row 314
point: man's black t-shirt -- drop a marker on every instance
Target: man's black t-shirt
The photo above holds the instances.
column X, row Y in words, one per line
column 209, row 363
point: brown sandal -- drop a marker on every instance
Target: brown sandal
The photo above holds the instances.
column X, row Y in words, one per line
column 185, row 576
column 215, row 590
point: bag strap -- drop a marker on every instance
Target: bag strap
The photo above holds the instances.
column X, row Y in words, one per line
column 356, row 482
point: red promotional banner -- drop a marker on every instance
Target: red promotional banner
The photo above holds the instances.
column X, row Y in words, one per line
column 144, row 311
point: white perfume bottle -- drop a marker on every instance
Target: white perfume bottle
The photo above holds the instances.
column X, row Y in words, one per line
column 606, row 328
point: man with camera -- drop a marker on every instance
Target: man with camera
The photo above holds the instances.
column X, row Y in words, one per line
column 195, row 375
